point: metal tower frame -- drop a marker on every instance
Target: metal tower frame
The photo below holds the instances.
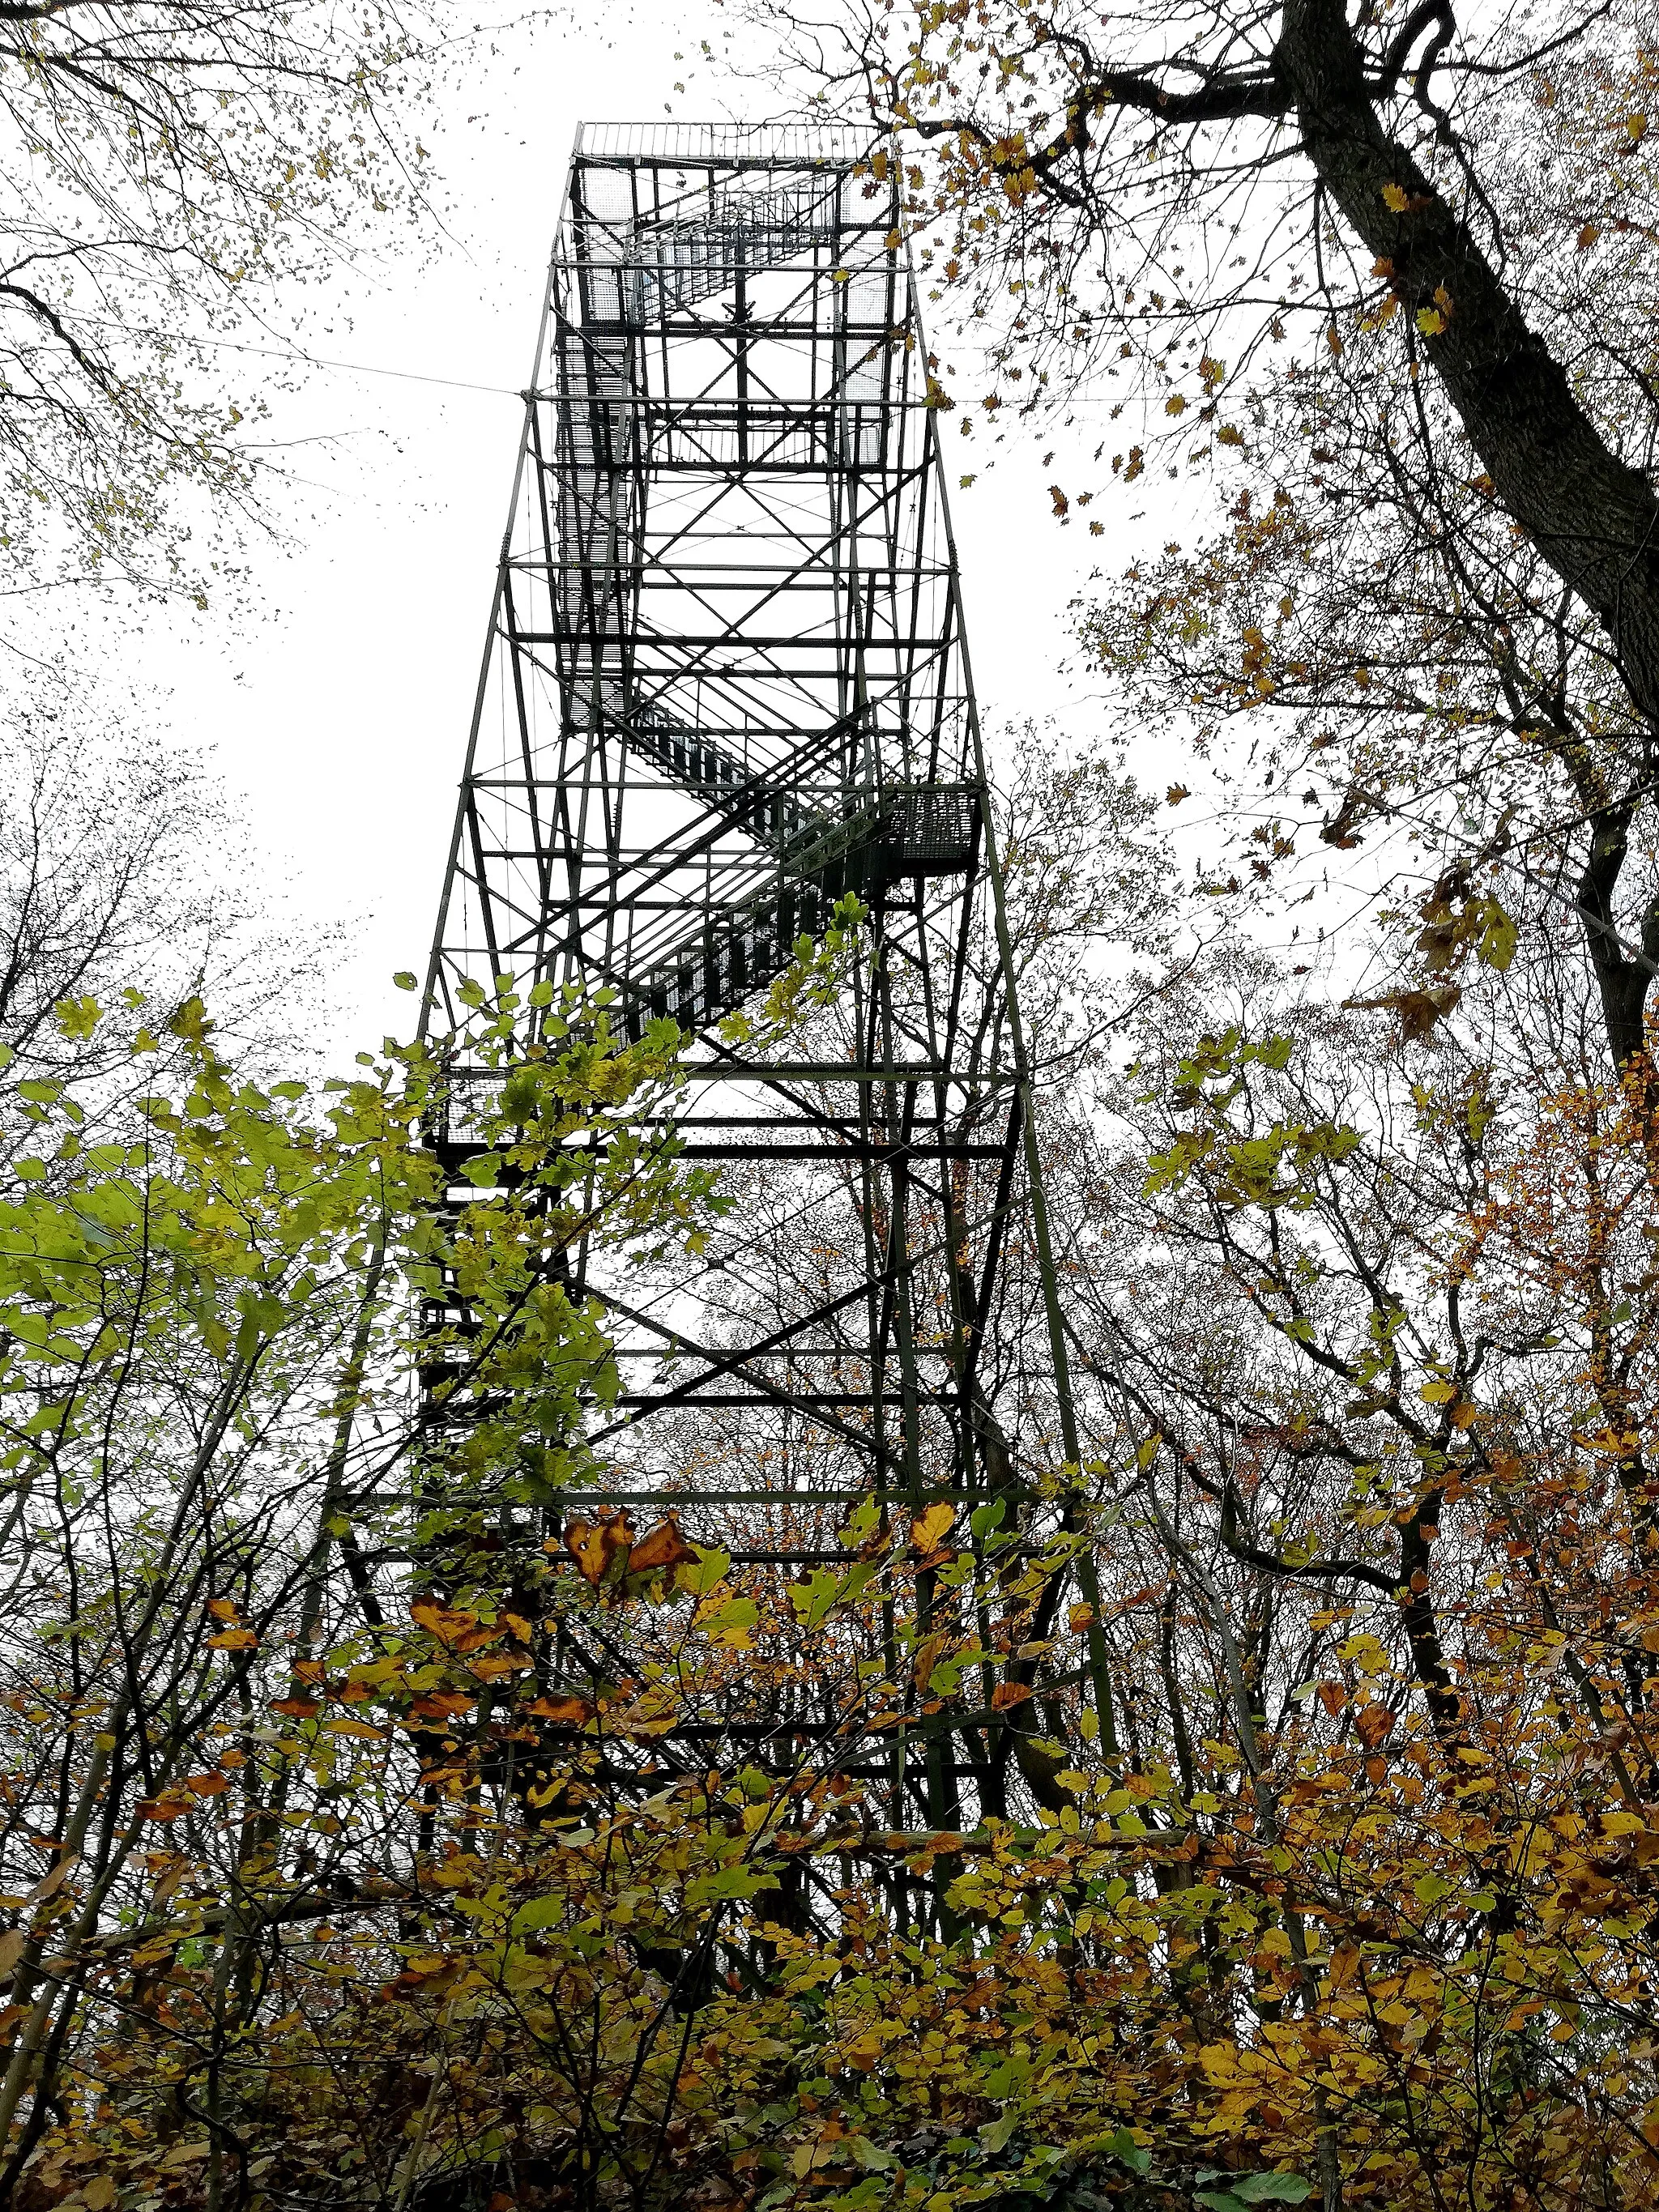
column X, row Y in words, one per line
column 727, row 686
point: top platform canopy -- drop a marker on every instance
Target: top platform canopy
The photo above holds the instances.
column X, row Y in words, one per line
column 772, row 145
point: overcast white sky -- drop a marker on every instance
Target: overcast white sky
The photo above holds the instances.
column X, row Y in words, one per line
column 339, row 716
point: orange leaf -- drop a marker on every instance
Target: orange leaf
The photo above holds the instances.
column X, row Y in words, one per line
column 296, row 1709
column 1374, row 1724
column 234, row 1639
column 1008, row 1693
column 1079, row 1619
column 568, row 1712
column 598, row 1547
column 445, row 1623
column 1332, row 1697
column 206, row 1785
column 224, row 1608
column 442, row 1705
column 660, row 1550
column 163, row 1807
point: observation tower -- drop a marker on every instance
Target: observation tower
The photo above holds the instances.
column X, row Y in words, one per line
column 725, row 688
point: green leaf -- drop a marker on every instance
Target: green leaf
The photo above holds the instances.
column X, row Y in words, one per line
column 540, row 1913
column 1271, row 2189
column 816, row 1598
column 404, row 979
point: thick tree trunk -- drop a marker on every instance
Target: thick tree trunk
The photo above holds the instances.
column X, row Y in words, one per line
column 1595, row 520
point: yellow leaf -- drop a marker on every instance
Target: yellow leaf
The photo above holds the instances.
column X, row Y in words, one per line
column 448, row 1624
column 928, row 1529
column 1431, row 322
column 348, row 1726
column 1393, row 197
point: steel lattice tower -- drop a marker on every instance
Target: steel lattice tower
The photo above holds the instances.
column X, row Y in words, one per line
column 725, row 685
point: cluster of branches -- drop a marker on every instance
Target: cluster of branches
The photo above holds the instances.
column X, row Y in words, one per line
column 174, row 172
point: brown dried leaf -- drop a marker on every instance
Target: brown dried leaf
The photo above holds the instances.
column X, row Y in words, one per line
column 661, row 1550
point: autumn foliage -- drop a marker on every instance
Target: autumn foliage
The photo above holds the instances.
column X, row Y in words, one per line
column 360, row 1849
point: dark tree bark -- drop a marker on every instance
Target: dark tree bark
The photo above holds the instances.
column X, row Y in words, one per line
column 1593, row 517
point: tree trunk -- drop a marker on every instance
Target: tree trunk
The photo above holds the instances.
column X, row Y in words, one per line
column 1595, row 520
